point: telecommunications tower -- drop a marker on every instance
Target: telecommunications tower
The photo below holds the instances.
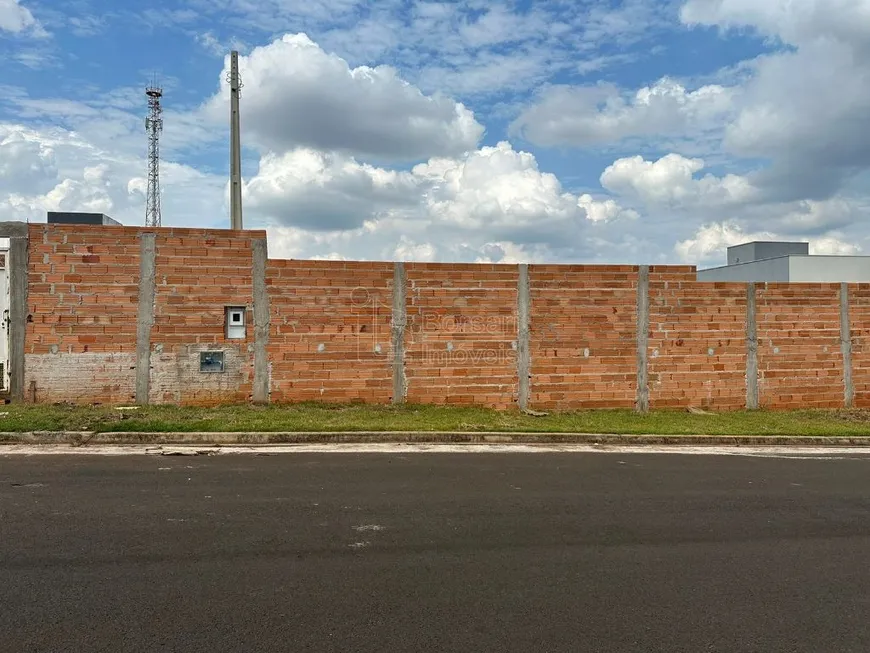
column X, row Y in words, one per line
column 153, row 126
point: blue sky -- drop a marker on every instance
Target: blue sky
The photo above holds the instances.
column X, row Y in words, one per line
column 539, row 130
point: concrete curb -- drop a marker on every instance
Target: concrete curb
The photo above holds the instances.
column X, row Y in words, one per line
column 75, row 438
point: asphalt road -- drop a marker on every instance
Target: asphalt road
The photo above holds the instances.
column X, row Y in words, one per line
column 434, row 552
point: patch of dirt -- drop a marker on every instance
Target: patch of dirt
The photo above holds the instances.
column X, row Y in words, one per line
column 856, row 416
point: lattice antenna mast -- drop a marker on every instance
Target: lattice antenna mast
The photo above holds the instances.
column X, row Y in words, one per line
column 154, row 127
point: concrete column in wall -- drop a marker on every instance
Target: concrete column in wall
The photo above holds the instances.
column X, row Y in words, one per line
column 398, row 324
column 145, row 316
column 262, row 322
column 846, row 347
column 752, row 402
column 642, row 400
column 524, row 359
column 17, row 268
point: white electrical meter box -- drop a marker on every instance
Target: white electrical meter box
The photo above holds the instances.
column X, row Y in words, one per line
column 236, row 322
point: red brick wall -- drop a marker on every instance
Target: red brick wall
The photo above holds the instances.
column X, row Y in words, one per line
column 198, row 274
column 82, row 298
column 330, row 331
column 859, row 318
column 697, row 345
column 799, row 358
column 461, row 334
column 583, row 336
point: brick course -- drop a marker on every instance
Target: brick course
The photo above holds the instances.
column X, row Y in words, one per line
column 330, row 331
column 461, row 335
column 859, row 318
column 697, row 345
column 583, row 336
column 82, row 298
column 799, row 359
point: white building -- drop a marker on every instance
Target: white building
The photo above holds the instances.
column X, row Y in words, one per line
column 779, row 261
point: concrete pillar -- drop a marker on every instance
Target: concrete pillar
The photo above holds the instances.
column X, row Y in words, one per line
column 235, row 144
column 524, row 360
column 642, row 401
column 17, row 266
column 262, row 322
column 846, row 347
column 145, row 317
column 752, row 402
column 398, row 324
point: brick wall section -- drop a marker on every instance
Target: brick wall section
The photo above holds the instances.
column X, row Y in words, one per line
column 799, row 359
column 330, row 331
column 583, row 336
column 859, row 318
column 198, row 273
column 461, row 335
column 330, row 336
column 697, row 345
column 82, row 298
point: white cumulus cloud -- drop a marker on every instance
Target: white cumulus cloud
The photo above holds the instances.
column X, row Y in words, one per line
column 495, row 187
column 17, row 19
column 605, row 210
column 408, row 250
column 794, row 21
column 297, row 95
column 326, row 191
column 806, row 108
column 506, row 253
column 710, row 242
column 830, row 246
column 586, row 115
column 27, row 162
column 671, row 181
column 444, row 208
column 55, row 169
